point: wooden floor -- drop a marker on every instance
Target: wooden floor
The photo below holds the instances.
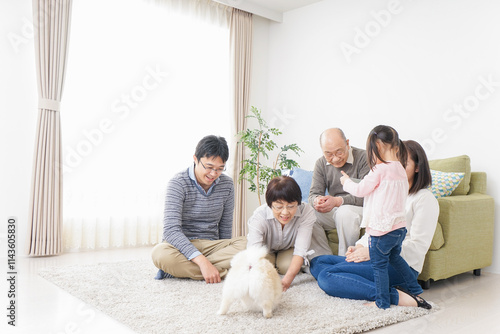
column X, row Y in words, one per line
column 467, row 303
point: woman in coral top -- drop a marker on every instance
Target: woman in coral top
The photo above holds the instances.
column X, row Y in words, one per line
column 385, row 189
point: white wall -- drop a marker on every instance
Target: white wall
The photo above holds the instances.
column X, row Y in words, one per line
column 259, row 84
column 18, row 114
column 419, row 66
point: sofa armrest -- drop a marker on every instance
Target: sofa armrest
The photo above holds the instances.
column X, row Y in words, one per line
column 477, row 183
column 467, row 222
column 465, row 214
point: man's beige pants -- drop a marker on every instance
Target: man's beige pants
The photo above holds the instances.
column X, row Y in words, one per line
column 219, row 252
column 347, row 220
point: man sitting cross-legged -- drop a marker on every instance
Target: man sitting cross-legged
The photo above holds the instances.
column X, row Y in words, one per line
column 198, row 218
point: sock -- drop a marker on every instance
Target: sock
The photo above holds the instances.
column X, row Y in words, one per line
column 162, row 275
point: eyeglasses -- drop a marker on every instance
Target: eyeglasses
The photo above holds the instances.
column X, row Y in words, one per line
column 281, row 208
column 217, row 171
column 338, row 153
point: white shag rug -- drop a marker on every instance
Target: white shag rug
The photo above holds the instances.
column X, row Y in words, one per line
column 127, row 292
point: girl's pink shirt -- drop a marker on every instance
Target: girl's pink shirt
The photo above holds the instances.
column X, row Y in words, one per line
column 385, row 189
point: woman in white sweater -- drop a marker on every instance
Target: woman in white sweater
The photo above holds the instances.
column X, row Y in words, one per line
column 352, row 277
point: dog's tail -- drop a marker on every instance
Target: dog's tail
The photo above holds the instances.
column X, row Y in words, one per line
column 257, row 252
column 250, row 255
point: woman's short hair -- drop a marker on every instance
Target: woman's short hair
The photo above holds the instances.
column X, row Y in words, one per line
column 212, row 146
column 422, row 178
column 283, row 188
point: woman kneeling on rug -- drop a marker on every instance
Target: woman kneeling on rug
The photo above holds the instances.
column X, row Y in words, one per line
column 351, row 276
column 288, row 228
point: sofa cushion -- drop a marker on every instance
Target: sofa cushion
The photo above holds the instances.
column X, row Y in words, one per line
column 444, row 183
column 333, row 241
column 304, row 180
column 460, row 164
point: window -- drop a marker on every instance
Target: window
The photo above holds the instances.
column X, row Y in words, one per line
column 144, row 84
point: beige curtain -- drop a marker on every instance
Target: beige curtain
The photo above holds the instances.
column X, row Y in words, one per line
column 241, row 61
column 51, row 22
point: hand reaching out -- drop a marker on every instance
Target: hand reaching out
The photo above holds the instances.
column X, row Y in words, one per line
column 286, row 282
column 344, row 177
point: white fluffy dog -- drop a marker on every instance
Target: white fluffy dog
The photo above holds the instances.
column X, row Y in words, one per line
column 254, row 280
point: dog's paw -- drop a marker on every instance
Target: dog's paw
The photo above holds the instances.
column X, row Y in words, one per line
column 267, row 314
column 221, row 312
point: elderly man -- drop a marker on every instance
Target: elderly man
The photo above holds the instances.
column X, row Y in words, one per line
column 338, row 209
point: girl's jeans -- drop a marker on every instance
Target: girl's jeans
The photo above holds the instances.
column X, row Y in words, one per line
column 385, row 250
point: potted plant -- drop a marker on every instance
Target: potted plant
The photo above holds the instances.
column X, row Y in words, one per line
column 260, row 143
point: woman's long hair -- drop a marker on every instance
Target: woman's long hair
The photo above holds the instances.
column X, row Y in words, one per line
column 422, row 178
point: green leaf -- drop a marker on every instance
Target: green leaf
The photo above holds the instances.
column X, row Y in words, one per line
column 250, row 140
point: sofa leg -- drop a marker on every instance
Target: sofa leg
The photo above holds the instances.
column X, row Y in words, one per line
column 477, row 272
column 425, row 284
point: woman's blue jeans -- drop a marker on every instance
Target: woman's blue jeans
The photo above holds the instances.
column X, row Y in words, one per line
column 339, row 278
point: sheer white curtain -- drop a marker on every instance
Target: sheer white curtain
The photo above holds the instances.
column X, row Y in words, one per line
column 146, row 81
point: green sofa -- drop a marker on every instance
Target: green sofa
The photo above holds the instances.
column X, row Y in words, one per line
column 463, row 240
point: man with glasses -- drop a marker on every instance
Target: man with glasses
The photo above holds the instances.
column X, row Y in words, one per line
column 198, row 218
column 338, row 209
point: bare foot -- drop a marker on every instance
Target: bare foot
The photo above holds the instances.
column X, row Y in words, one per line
column 406, row 300
column 370, row 304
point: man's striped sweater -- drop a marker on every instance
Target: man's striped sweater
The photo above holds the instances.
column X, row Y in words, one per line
column 191, row 213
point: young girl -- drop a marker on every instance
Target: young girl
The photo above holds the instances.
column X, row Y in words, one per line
column 385, row 190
